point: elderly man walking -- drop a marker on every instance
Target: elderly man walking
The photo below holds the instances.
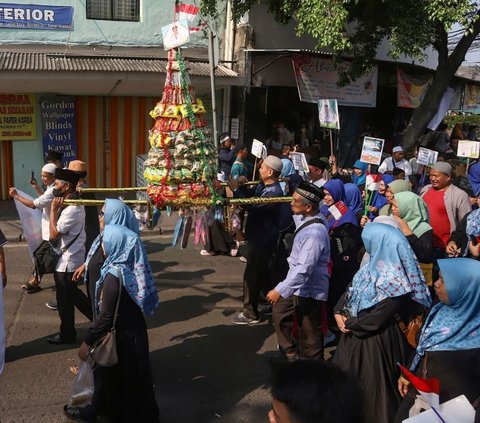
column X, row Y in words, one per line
column 67, row 231
column 304, row 291
column 263, row 226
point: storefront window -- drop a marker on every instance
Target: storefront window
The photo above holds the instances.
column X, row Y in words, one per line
column 115, row 10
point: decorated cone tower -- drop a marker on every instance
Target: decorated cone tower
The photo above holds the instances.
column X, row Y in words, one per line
column 181, row 168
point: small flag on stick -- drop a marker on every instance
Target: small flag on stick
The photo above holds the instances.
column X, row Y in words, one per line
column 429, row 389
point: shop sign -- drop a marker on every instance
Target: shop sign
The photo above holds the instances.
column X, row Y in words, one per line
column 317, row 79
column 30, row 16
column 17, row 117
column 59, row 129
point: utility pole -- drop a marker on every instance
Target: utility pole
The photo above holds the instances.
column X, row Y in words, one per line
column 211, row 62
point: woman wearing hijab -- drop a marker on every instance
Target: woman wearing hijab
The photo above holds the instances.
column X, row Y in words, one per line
column 359, row 175
column 289, row 172
column 474, row 178
column 449, row 344
column 127, row 387
column 114, row 212
column 379, row 200
column 390, row 284
column 411, row 213
column 392, row 189
column 353, row 197
column 345, row 241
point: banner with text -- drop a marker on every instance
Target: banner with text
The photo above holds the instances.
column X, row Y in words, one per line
column 29, row 16
column 411, row 89
column 317, row 79
column 17, row 117
column 59, row 130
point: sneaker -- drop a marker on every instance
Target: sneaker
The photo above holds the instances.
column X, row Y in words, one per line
column 241, row 319
column 52, row 305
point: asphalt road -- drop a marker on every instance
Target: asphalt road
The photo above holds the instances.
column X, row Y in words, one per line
column 205, row 368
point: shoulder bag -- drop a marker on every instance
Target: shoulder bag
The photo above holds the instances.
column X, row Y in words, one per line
column 46, row 258
column 104, row 351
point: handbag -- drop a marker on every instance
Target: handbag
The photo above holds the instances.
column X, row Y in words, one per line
column 104, row 351
column 410, row 331
column 46, row 258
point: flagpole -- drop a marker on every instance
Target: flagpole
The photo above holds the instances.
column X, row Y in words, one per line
column 331, row 142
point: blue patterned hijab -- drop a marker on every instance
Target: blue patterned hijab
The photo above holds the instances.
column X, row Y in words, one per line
column 391, row 270
column 126, row 254
column 454, row 326
column 360, row 180
column 115, row 212
column 473, row 223
column 353, row 196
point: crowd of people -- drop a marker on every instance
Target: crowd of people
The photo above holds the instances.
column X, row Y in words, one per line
column 384, row 257
column 382, row 260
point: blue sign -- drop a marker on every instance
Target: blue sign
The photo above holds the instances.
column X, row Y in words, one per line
column 59, row 129
column 29, row 16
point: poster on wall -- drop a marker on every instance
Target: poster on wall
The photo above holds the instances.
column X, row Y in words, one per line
column 328, row 114
column 59, row 129
column 411, row 89
column 372, row 150
column 17, row 117
column 317, row 78
column 36, row 16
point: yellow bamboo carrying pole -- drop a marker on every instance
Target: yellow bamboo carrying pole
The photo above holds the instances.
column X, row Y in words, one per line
column 195, row 202
column 127, row 189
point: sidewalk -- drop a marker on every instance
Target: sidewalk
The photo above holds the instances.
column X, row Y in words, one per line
column 12, row 228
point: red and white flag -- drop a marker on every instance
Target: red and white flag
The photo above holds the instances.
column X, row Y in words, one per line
column 372, row 181
column 429, row 389
column 188, row 12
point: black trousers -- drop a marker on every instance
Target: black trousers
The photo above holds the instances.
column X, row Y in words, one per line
column 283, row 316
column 256, row 279
column 70, row 296
column 310, row 336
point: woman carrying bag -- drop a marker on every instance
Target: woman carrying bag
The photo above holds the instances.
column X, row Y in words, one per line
column 126, row 388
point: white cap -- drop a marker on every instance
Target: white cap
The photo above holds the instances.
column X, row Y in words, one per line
column 397, row 149
column 49, row 168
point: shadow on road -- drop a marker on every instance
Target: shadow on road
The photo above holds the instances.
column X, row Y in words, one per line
column 191, row 306
column 209, row 372
column 40, row 346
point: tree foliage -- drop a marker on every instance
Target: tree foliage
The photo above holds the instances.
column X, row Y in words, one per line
column 355, row 29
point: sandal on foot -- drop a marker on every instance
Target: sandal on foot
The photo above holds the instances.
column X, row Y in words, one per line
column 31, row 288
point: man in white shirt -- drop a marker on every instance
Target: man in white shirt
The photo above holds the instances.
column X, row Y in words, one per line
column 42, row 202
column 67, row 231
column 396, row 160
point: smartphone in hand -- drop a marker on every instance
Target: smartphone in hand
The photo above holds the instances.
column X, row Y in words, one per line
column 32, row 178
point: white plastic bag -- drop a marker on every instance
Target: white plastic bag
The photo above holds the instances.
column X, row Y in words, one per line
column 82, row 389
